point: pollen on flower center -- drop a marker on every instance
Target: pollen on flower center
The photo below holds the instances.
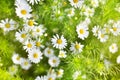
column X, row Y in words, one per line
column 54, row 61
column 38, row 44
column 62, row 54
column 18, row 58
column 35, row 55
column 26, row 63
column 59, row 41
column 112, row 47
column 114, row 29
column 38, row 30
column 23, row 35
column 50, row 79
column 58, row 73
column 30, row 23
column 102, row 35
column 81, row 31
column 75, row 1
column 23, row 12
column 29, row 45
column 77, row 46
column 49, row 51
column 7, row 25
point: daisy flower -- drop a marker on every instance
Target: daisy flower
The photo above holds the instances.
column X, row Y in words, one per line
column 76, row 3
column 25, row 64
column 8, row 25
column 16, row 58
column 54, row 61
column 21, row 35
column 38, row 30
column 59, row 42
column 82, row 31
column 51, row 77
column 35, row 56
column 95, row 30
column 113, row 48
column 33, row 1
column 48, row 52
column 28, row 45
column 76, row 47
column 115, row 29
column 41, row 78
column 23, row 11
column 89, row 12
column 95, row 3
column 71, row 12
column 107, row 28
column 13, row 69
column 118, row 59
column 38, row 43
column 102, row 36
column 60, row 73
column 62, row 54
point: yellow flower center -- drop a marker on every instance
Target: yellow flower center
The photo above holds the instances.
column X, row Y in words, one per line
column 30, row 23
column 7, row 25
column 58, row 73
column 49, row 51
column 59, row 41
column 54, row 61
column 38, row 44
column 62, row 54
column 102, row 35
column 18, row 58
column 23, row 12
column 75, row 1
column 113, row 47
column 25, row 63
column 35, row 55
column 23, row 35
column 114, row 29
column 29, row 45
column 38, row 30
column 50, row 79
column 81, row 31
column 77, row 46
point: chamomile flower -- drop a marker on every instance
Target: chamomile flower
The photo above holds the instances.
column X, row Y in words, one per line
column 29, row 45
column 54, row 61
column 95, row 3
column 35, row 55
column 102, row 36
column 51, row 77
column 115, row 29
column 76, row 3
column 41, row 78
column 70, row 12
column 48, row 52
column 82, row 31
column 24, row 11
column 89, row 12
column 8, row 25
column 33, row 1
column 21, row 35
column 59, row 73
column 59, row 41
column 62, row 54
column 13, row 69
column 107, row 28
column 118, row 59
column 16, row 58
column 95, row 30
column 113, row 48
column 25, row 64
column 29, row 24
column 38, row 43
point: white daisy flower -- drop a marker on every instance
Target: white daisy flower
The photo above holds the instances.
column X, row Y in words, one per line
column 21, row 35
column 54, row 61
column 76, row 47
column 24, row 11
column 82, row 31
column 76, row 3
column 89, row 12
column 38, row 43
column 95, row 3
column 62, row 54
column 115, row 29
column 25, row 64
column 29, row 24
column 118, row 59
column 35, row 56
column 41, row 78
column 48, row 52
column 38, row 30
column 95, row 30
column 33, row 1
column 8, row 25
column 13, row 69
column 60, row 73
column 113, row 48
column 102, row 36
column 70, row 12
column 107, row 28
column 29, row 45
column 59, row 42
column 51, row 77
column 16, row 58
